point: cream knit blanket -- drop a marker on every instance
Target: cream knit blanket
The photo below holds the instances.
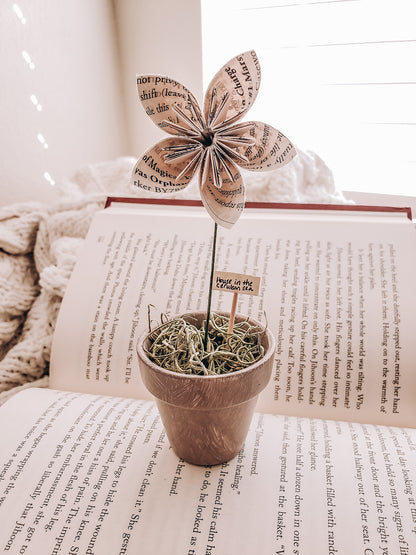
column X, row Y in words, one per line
column 39, row 244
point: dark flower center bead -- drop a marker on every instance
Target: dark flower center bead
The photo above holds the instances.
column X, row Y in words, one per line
column 207, row 137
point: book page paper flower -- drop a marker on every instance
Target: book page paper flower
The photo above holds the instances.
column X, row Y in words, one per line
column 211, row 143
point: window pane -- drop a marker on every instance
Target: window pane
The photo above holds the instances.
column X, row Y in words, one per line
column 338, row 77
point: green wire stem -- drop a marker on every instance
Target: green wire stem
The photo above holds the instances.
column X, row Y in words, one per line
column 211, row 280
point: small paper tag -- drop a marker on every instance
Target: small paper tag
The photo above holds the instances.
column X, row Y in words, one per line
column 236, row 283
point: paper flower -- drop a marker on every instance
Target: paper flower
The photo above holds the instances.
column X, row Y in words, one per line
column 209, row 143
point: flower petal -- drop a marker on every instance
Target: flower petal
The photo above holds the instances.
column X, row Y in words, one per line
column 240, row 79
column 270, row 148
column 225, row 204
column 153, row 173
column 159, row 95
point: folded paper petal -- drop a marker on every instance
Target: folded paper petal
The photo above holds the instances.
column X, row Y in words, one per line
column 234, row 87
column 225, row 205
column 159, row 94
column 211, row 144
column 153, row 173
column 271, row 149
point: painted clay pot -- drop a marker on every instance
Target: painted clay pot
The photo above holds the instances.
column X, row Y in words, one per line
column 207, row 418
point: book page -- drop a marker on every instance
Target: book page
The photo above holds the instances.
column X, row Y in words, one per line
column 94, row 475
column 337, row 292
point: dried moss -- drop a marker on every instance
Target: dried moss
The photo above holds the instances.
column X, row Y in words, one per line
column 178, row 345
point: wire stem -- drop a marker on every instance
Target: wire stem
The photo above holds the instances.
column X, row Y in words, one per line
column 211, row 280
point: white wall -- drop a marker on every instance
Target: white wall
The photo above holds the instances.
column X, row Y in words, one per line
column 159, row 37
column 61, row 56
column 65, row 57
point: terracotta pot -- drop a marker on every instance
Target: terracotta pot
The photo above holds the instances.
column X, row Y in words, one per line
column 206, row 418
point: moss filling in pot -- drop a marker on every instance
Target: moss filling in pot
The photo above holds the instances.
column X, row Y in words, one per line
column 178, row 345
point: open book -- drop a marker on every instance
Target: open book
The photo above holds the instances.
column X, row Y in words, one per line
column 329, row 465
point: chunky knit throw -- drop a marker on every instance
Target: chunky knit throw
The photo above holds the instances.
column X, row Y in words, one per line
column 39, row 244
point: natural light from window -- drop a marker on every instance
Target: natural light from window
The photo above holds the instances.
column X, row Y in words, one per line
column 338, row 78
